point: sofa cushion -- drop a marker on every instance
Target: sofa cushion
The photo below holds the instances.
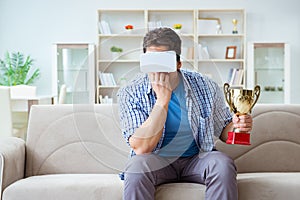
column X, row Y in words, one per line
column 75, row 139
column 263, row 186
column 60, row 137
column 275, row 141
column 65, row 187
column 266, row 186
column 90, row 187
column 180, row 191
column 275, row 186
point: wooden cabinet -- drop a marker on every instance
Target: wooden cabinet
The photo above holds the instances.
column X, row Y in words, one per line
column 269, row 67
column 203, row 47
column 74, row 67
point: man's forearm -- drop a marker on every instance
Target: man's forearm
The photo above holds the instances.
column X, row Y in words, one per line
column 146, row 137
column 225, row 131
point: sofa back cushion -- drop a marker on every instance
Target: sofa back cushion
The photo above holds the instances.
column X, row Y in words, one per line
column 74, row 139
column 88, row 139
column 275, row 141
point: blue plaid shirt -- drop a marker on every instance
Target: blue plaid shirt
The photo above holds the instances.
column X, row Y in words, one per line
column 207, row 111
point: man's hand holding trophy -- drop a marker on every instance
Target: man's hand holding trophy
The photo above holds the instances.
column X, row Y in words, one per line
column 240, row 101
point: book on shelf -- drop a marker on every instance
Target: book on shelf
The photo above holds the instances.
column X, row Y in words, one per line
column 104, row 27
column 230, row 76
column 203, row 53
column 154, row 24
column 107, row 79
column 235, row 76
column 187, row 52
column 105, row 99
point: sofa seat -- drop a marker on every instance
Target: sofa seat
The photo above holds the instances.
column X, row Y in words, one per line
column 90, row 187
column 180, row 191
column 66, row 186
column 262, row 186
column 109, row 186
column 267, row 186
column 76, row 153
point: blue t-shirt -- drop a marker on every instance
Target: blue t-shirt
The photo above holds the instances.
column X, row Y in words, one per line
column 178, row 140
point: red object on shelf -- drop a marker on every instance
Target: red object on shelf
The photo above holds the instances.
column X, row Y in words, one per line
column 238, row 138
column 129, row 26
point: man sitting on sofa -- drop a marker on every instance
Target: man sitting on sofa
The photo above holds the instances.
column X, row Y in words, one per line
column 169, row 120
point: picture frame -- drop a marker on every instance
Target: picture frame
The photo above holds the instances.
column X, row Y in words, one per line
column 230, row 52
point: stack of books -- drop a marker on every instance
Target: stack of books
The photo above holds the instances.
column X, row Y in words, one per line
column 203, row 52
column 107, row 79
column 235, row 76
column 154, row 24
column 104, row 27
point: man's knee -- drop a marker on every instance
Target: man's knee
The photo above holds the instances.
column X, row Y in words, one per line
column 145, row 163
column 222, row 165
column 135, row 179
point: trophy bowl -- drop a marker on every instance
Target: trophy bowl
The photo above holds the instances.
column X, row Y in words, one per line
column 234, row 31
column 240, row 101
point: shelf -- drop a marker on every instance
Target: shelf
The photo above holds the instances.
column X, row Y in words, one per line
column 186, row 34
column 76, row 91
column 191, row 36
column 188, row 60
column 108, row 87
column 121, row 35
column 117, row 61
column 221, row 10
column 232, row 86
column 68, row 69
column 220, row 35
column 222, row 60
column 273, row 92
column 267, row 68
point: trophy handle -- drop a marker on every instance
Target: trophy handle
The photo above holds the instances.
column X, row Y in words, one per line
column 255, row 95
column 227, row 94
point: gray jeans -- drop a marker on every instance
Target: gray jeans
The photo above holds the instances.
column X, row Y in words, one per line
column 213, row 169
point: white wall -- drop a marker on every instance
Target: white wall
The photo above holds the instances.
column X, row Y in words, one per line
column 32, row 26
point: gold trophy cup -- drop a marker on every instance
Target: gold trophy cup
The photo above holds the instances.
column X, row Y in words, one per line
column 234, row 31
column 241, row 102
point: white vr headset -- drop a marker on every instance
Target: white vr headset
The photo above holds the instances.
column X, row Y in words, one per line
column 162, row 61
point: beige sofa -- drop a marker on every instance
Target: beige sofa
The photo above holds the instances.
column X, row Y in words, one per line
column 76, row 152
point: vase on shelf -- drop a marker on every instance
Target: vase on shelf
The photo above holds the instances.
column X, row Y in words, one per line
column 128, row 31
column 115, row 55
column 116, row 52
column 177, row 28
column 178, row 31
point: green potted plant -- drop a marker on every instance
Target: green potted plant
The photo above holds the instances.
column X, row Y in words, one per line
column 177, row 28
column 116, row 51
column 16, row 70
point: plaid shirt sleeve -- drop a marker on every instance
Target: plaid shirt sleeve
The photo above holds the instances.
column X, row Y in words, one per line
column 222, row 116
column 130, row 111
column 208, row 114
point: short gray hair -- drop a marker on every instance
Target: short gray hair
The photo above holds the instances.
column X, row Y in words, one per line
column 163, row 37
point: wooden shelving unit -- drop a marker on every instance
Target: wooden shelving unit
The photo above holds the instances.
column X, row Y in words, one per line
column 126, row 65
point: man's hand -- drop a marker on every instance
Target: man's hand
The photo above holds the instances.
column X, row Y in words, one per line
column 242, row 122
column 160, row 82
column 147, row 136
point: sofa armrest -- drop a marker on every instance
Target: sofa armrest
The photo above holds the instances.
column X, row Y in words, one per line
column 12, row 161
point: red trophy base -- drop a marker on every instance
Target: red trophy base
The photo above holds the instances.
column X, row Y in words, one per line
column 238, row 138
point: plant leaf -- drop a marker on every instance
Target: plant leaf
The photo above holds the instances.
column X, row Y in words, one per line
column 15, row 70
